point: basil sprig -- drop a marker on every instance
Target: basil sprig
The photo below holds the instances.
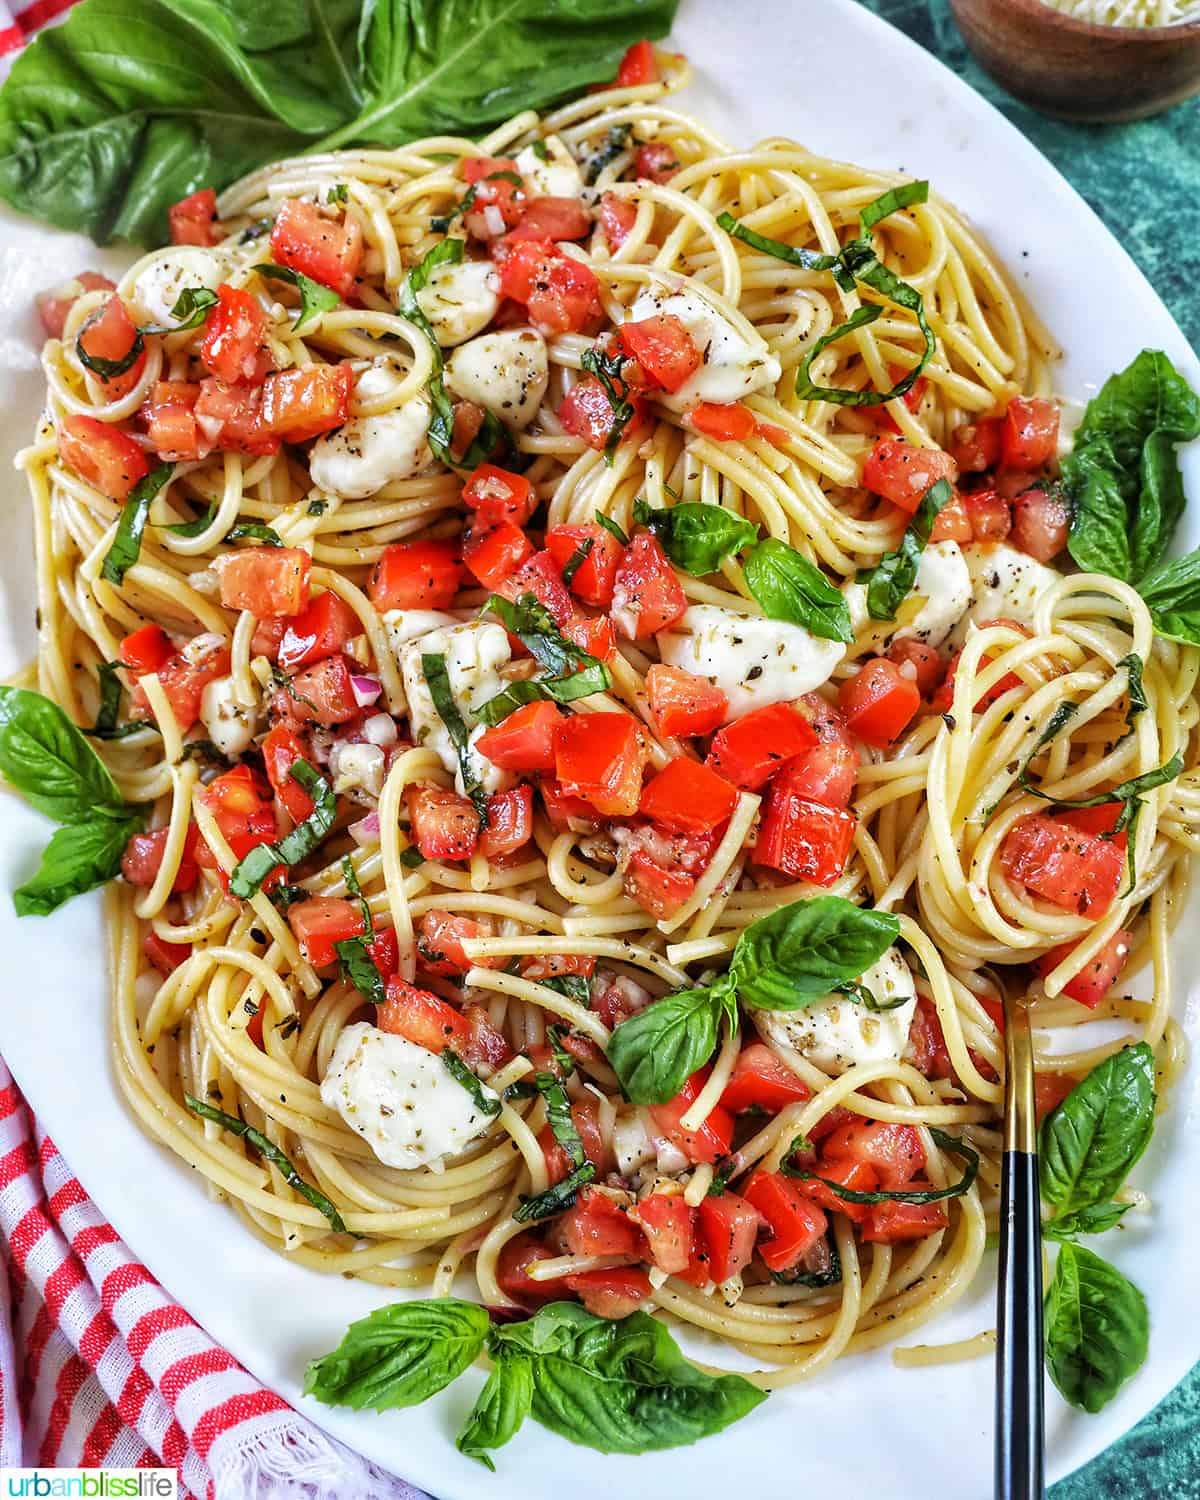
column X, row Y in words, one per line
column 486, row 1103
column 891, row 580
column 106, row 726
column 271, row 1152
column 437, row 676
column 1172, row 594
column 191, row 308
column 607, row 370
column 807, row 260
column 950, row 1143
column 617, row 1386
column 1097, row 1328
column 250, row 872
column 314, row 298
column 1092, row 1140
column 657, row 1050
column 574, row 673
column 612, row 527
column 697, row 537
column 47, row 759
column 127, row 544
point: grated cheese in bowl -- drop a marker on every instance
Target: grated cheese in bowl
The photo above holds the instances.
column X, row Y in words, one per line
column 1129, row 12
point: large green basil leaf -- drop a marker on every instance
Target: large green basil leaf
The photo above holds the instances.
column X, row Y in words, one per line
column 1172, row 593
column 655, row 1052
column 1097, row 1328
column 801, row 952
column 789, row 587
column 1090, row 1141
column 78, row 858
column 502, row 1406
column 47, row 759
column 698, row 537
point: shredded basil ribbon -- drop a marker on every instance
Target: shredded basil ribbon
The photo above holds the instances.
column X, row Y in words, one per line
column 611, row 526
column 433, row 664
column 350, row 876
column 607, row 370
column 459, row 1071
column 108, row 369
column 890, row 581
column 191, row 308
column 273, row 1154
column 560, row 1195
column 127, row 544
column 562, row 1058
column 577, row 560
column 314, row 298
column 927, row 1195
column 576, row 673
column 863, row 995
column 360, row 969
column 250, row 872
column 466, row 203
column 246, row 531
column 106, row 726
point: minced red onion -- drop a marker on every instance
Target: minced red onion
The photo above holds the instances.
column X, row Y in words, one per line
column 366, row 830
column 380, row 729
column 366, row 690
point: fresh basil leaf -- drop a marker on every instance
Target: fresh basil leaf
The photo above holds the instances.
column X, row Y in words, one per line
column 350, row 876
column 400, row 1355
column 437, row 677
column 563, row 1060
column 577, row 559
column 807, row 260
column 194, row 528
column 611, row 526
column 246, row 531
column 801, row 952
column 607, row 370
column 891, row 581
column 1127, row 792
column 1091, row 1141
column 1172, row 594
column 557, row 1197
column 949, row 1143
column 657, row 1050
column 697, row 537
column 250, row 872
column 316, row 507
column 108, row 369
column 338, row 193
column 1122, row 475
column 1138, row 702
column 1097, row 1328
column 486, row 1104
column 619, row 1387
column 1094, row 1219
column 191, row 308
column 204, row 750
column 593, row 679
column 78, row 858
column 127, row 544
column 575, row 673
column 360, row 969
column 861, row 994
column 1056, row 723
column 791, row 588
column 273, row 1154
column 314, row 298
column 47, row 759
column 574, row 986
column 411, row 858
column 558, row 1114
column 106, row 726
column 501, row 1407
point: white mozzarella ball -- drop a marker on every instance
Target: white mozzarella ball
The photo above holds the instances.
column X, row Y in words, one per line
column 460, row 300
column 506, row 373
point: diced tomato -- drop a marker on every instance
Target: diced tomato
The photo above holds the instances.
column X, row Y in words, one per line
column 511, row 1272
column 169, row 413
column 324, row 626
column 55, row 304
column 281, row 749
column 855, row 1175
column 912, row 399
column 1050, row 1089
column 496, row 495
column 323, row 693
column 593, row 635
column 145, row 650
column 468, row 419
column 750, row 751
column 760, row 1081
column 144, row 854
column 422, row 1018
column 1041, row 521
column 612, row 1293
column 234, row 794
column 102, row 455
column 665, row 350
column 551, row 218
column 510, row 823
column 596, row 1225
column 267, row 581
column 566, row 811
column 1030, row 438
column 495, row 554
column 683, row 703
column 667, row 1222
column 893, row 1152
column 656, row 888
column 656, row 161
column 638, row 66
column 166, row 957
column 879, row 702
column 732, row 423
column 827, row 772
column 952, row 523
column 804, row 839
column 600, row 757
column 927, row 1049
column 686, row 796
column 234, row 415
column 322, row 921
column 477, row 168
column 440, row 938
column 232, row 347
column 506, row 198
column 975, row 446
column 1064, row 866
column 416, row 575
column 918, row 662
column 302, row 403
column 904, row 474
column 561, row 294
column 990, row 515
column 1098, row 820
column 540, row 577
column 795, row 1222
column 553, row 965
column 384, row 949
column 487, row 1047
column 729, row 1226
column 444, row 825
column 306, row 241
column 593, row 579
column 647, row 594
column 711, row 1140
column 110, row 334
column 525, row 740
column 184, row 680
column 617, row 218
column 888, row 1223
column 586, row 412
column 193, row 220
column 1098, row 975
column 237, row 801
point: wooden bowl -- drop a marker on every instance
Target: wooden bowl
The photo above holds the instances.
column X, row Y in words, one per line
column 1077, row 70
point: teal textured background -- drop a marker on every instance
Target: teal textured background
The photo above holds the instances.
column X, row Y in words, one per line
column 1143, row 179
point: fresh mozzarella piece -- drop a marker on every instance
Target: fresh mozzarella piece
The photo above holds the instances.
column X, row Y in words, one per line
column 837, row 1033
column 855, row 595
column 358, row 768
column 404, row 625
column 460, row 300
column 1006, row 584
column 754, row 661
column 231, row 725
column 368, row 452
column 943, row 588
column 632, row 1145
column 473, row 653
column 400, row 1098
column 157, row 287
column 736, row 360
column 506, row 373
column 556, row 177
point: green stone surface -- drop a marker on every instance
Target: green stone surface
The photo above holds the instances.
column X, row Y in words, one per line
column 1143, row 179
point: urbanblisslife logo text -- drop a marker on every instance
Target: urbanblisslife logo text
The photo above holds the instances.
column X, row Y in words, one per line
column 90, row 1484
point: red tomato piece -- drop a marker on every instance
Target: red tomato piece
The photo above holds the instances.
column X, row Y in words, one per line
column 903, row 474
column 656, row 161
column 647, row 594
column 879, row 702
column 541, row 578
column 422, row 1018
column 166, row 957
column 306, row 241
column 510, row 823
column 927, row 1049
column 855, row 1175
column 281, row 749
column 668, row 1224
column 232, row 347
column 828, row 771
column 416, row 575
column 953, row 524
column 1061, row 864
column 586, row 413
column 617, row 218
column 144, row 854
column 595, row 636
column 990, row 514
column 496, row 495
column 1098, row 975
column 477, row 168
column 944, row 696
column 553, row 965
column 440, row 938
column 893, row 1152
column 1030, row 437
column 638, row 66
column 664, row 349
column 1041, row 521
column 600, row 757
column 750, row 751
column 731, row 423
column 323, row 693
column 975, row 446
column 169, row 413
column 760, row 1081
column 1049, row 1091
column 550, row 218
column 612, row 1293
column 795, row 1222
column 686, row 796
column 585, row 1113
column 302, row 403
column 561, row 294
column 919, row 663
column 525, row 740
column 729, row 1226
column 888, row 1223
column 102, row 455
column 912, row 398
column 657, row 889
column 804, row 839
column 322, row 921
column 111, row 334
column 566, row 811
column 54, row 305
column 495, row 554
column 522, row 1251
column 595, row 576
column 145, row 650
column 707, row 1143
column 682, row 703
column 444, row 825
column 597, row 1225
column 323, row 627
column 233, row 414
column 268, row 581
column 193, row 220
column 1097, row 820
column 184, row 677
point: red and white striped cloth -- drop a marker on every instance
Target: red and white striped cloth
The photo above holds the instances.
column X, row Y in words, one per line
column 99, row 1368
column 19, row 22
